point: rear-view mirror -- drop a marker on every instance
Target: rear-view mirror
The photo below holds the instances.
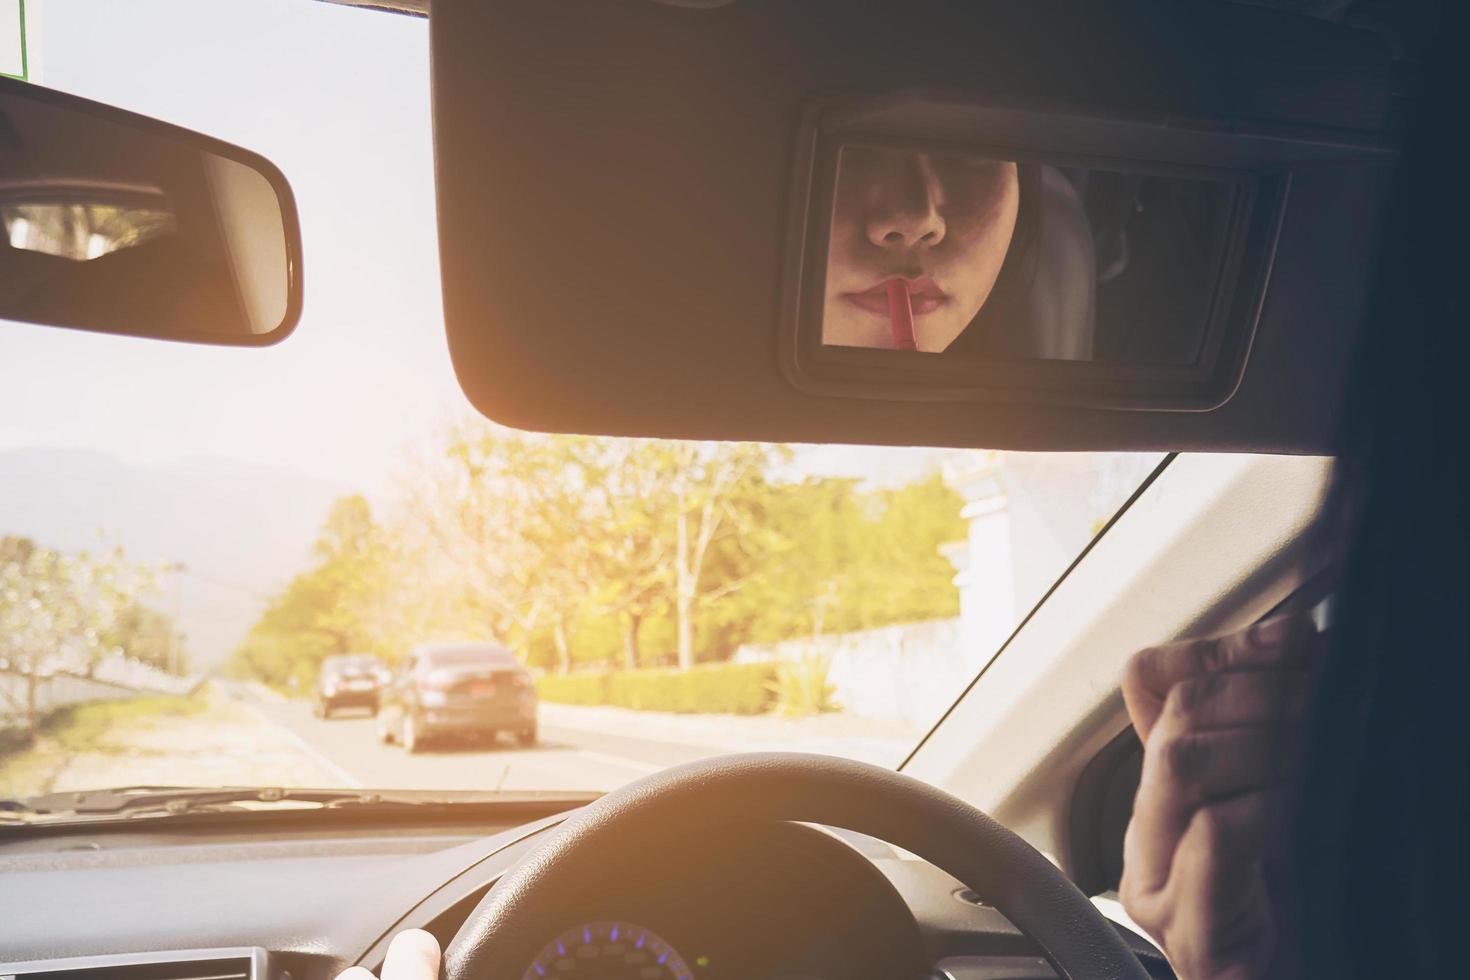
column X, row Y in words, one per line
column 117, row 223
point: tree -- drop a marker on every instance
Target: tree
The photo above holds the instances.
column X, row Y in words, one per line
column 710, row 480
column 629, row 499
column 580, row 549
column 144, row 634
column 514, row 516
column 57, row 610
column 855, row 559
column 549, row 530
column 337, row 606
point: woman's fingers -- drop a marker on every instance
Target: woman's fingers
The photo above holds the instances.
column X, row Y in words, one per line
column 1220, row 720
column 1224, row 927
column 1222, row 847
column 1183, row 774
column 412, row 955
column 1219, row 736
column 1236, row 699
column 1153, row 673
column 1213, row 915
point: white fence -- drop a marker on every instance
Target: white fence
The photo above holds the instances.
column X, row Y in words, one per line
column 909, row 672
column 110, row 679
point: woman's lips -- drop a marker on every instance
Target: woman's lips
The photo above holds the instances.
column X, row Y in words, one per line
column 925, row 296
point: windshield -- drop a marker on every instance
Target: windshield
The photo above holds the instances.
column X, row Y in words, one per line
column 199, row 545
column 349, row 665
column 469, row 656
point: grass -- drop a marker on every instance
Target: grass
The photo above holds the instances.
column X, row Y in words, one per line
column 80, row 727
column 27, row 772
column 28, row 767
column 801, row 687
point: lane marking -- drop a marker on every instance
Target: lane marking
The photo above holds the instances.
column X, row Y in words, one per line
column 316, row 754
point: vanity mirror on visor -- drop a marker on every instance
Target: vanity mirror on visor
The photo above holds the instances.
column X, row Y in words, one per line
column 973, row 256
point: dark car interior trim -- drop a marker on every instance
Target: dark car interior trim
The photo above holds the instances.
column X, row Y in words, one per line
column 555, row 150
column 376, row 881
column 239, row 963
column 290, row 217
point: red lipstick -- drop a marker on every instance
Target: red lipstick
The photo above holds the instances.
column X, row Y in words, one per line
column 925, row 296
column 900, row 314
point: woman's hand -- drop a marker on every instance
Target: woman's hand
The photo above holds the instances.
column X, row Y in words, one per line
column 412, row 955
column 1219, row 719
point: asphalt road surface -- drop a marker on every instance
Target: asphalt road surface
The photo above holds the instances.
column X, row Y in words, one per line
column 564, row 759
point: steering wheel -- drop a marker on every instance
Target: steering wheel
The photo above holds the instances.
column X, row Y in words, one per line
column 524, row 908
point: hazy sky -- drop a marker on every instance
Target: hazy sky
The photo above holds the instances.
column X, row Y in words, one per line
column 339, row 99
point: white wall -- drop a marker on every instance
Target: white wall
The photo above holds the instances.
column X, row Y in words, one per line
column 909, row 672
column 110, row 679
column 1028, row 515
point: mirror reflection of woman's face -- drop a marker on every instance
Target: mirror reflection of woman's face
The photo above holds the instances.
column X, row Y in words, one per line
column 940, row 222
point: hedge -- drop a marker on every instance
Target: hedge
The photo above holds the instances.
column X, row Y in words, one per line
column 573, row 688
column 738, row 689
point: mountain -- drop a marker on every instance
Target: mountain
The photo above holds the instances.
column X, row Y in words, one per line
column 240, row 530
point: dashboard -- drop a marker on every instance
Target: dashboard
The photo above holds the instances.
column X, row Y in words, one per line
column 306, row 895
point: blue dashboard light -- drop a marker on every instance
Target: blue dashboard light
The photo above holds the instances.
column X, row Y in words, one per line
column 608, row 948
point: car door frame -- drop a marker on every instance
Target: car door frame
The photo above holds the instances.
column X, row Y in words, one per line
column 1212, row 543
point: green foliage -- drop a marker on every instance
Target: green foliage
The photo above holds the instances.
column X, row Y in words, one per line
column 739, row 689
column 327, row 610
column 149, row 636
column 29, row 763
column 585, row 552
column 61, row 611
column 802, row 687
column 584, row 688
column 77, row 728
column 848, row 560
column 12, row 740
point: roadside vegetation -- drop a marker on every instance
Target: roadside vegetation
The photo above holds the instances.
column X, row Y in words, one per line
column 736, row 689
column 63, row 612
column 627, row 571
column 29, row 764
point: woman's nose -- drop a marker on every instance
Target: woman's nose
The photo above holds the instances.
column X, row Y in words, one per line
column 905, row 211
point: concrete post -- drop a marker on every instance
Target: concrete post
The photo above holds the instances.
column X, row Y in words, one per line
column 984, row 575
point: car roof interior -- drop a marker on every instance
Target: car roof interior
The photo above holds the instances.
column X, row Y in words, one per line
column 615, row 186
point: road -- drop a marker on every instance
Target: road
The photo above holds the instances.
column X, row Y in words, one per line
column 564, row 759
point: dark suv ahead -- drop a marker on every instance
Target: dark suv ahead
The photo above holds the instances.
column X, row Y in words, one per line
column 351, row 680
column 458, row 689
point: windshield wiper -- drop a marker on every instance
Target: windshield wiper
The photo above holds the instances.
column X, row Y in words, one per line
column 181, row 799
column 130, row 801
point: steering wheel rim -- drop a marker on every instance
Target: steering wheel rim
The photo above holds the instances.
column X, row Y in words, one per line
column 521, row 912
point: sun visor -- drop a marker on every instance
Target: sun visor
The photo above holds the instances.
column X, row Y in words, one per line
column 1012, row 225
